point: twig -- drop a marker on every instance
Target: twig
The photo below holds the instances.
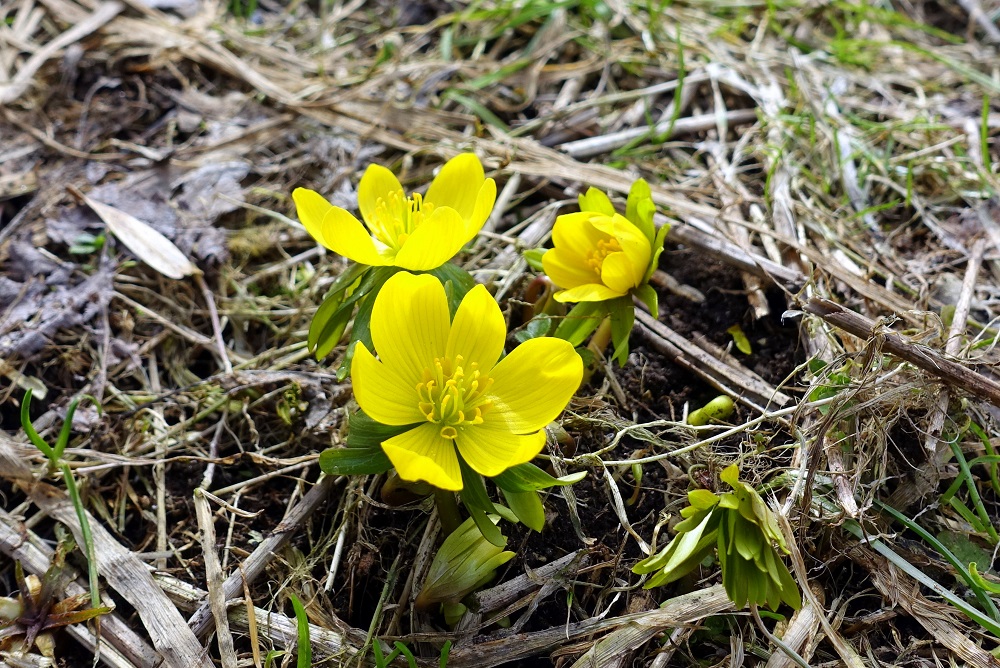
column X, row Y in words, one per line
column 213, row 579
column 254, row 565
column 585, row 148
column 952, row 373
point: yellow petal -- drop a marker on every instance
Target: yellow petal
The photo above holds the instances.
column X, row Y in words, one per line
column 576, row 233
column 377, row 182
column 633, row 242
column 410, row 322
column 485, row 200
column 617, row 274
column 592, row 292
column 422, row 454
column 345, row 235
column 479, row 330
column 434, row 242
column 533, row 384
column 311, row 207
column 566, row 269
column 490, row 449
column 637, row 248
column 457, row 185
column 380, row 391
column 596, row 201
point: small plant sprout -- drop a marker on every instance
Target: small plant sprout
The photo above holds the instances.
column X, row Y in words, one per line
column 716, row 410
column 54, row 454
column 601, row 259
column 465, row 562
column 744, row 531
column 415, row 233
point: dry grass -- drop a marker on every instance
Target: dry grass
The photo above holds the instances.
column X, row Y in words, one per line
column 830, row 172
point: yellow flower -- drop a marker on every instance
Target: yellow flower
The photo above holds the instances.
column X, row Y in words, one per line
column 597, row 254
column 417, row 233
column 443, row 378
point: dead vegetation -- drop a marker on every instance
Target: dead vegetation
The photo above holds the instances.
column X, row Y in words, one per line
column 829, row 169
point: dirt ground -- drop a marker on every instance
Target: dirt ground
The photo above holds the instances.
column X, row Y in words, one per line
column 829, row 172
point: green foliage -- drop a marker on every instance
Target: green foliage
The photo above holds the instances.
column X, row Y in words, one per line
column 533, row 256
column 528, row 477
column 477, row 501
column 622, row 315
column 740, row 339
column 968, row 575
column 465, row 562
column 303, row 657
column 54, row 455
column 353, row 295
column 528, row 508
column 744, row 531
column 581, row 321
column 538, row 326
column 363, row 454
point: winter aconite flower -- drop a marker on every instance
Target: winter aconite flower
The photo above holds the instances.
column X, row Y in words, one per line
column 444, row 379
column 415, row 232
column 599, row 254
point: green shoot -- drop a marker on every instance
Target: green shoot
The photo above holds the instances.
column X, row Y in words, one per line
column 54, row 455
column 304, row 647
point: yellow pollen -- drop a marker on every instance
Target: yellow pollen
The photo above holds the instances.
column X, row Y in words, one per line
column 453, row 395
column 596, row 257
column 396, row 217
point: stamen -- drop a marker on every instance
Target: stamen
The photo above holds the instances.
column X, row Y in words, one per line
column 453, row 395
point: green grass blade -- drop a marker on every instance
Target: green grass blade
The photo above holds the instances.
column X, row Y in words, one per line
column 304, row 647
column 981, row 595
column 88, row 538
column 29, row 429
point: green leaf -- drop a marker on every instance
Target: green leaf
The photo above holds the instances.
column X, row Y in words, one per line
column 327, row 329
column 363, row 454
column 486, row 527
column 740, row 339
column 581, row 321
column 647, row 295
column 321, row 329
column 657, row 248
column 639, row 208
column 622, row 319
column 304, row 645
column 536, row 327
column 528, row 508
column 533, row 256
column 528, row 477
column 364, row 432
column 29, row 429
column 353, row 461
column 477, row 502
column 596, row 201
column 984, row 584
column 456, row 281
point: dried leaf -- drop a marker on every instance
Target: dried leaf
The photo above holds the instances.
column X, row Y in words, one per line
column 149, row 245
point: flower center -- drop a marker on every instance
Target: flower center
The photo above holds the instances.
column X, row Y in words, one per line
column 453, row 395
column 397, row 216
column 605, row 247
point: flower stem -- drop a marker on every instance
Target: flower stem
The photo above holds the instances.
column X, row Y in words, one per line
column 447, row 510
column 601, row 338
column 598, row 343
